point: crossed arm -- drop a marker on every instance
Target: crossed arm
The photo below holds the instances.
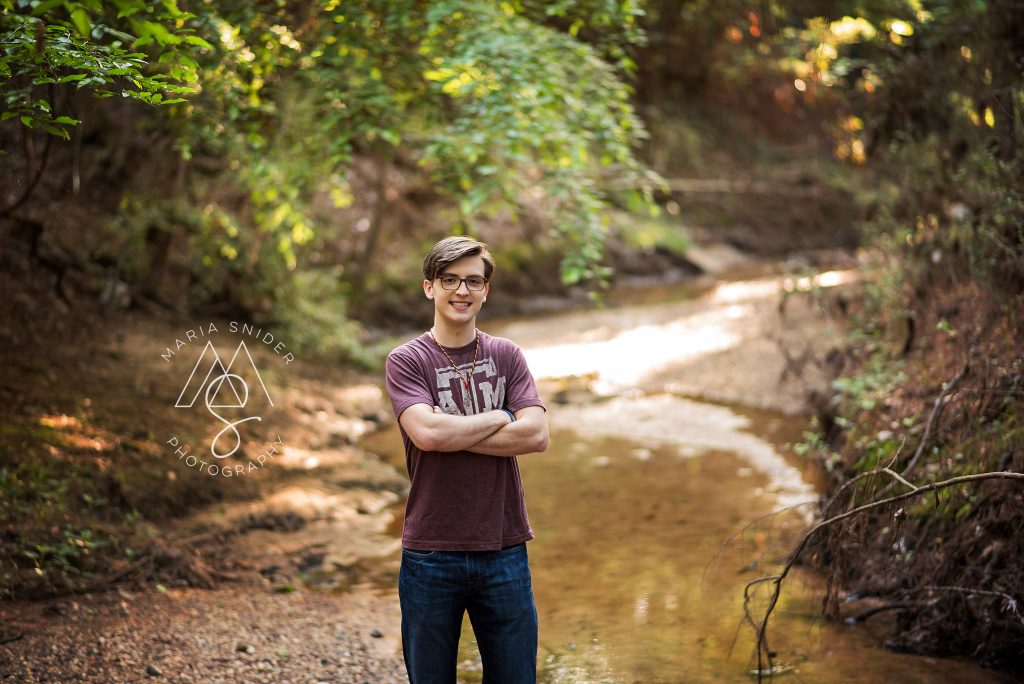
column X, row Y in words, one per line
column 489, row 433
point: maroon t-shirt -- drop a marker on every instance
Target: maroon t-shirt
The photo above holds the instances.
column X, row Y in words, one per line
column 459, row 500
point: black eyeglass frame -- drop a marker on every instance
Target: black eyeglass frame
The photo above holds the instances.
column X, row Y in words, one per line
column 442, row 276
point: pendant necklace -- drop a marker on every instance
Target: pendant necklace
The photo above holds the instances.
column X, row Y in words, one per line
column 476, row 349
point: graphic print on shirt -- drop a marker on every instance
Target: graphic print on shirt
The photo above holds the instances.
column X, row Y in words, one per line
column 491, row 391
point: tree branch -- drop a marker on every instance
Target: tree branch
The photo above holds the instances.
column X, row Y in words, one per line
column 763, row 652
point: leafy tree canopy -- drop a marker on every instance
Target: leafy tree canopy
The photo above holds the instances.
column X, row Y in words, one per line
column 492, row 99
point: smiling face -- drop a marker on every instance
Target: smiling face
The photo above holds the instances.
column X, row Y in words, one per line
column 457, row 309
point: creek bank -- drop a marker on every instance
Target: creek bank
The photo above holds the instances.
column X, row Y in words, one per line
column 933, row 389
column 169, row 550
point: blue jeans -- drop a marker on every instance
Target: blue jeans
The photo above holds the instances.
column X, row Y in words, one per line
column 435, row 589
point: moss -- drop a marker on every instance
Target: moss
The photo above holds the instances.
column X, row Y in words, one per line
column 648, row 234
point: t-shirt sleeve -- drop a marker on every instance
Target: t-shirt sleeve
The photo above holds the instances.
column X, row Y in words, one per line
column 405, row 384
column 521, row 388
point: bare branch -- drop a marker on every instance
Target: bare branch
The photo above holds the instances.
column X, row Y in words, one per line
column 864, row 615
column 732, row 537
column 898, row 478
column 763, row 651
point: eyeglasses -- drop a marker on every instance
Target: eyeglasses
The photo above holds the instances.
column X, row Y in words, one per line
column 454, row 282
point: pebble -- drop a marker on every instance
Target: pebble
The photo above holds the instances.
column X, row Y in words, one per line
column 199, row 636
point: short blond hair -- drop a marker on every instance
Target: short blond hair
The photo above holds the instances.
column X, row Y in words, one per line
column 450, row 250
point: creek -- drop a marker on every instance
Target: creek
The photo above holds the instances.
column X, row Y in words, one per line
column 654, row 507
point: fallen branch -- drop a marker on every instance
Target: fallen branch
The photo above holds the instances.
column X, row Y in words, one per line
column 763, row 652
column 740, row 187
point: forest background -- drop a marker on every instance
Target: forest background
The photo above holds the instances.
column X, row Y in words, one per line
column 287, row 163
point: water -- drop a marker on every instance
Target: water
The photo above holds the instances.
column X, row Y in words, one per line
column 643, row 551
column 653, row 511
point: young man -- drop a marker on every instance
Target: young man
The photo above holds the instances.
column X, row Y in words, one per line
column 467, row 406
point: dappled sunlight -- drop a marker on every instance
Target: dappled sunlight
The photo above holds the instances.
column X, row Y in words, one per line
column 73, row 434
column 762, row 288
column 61, row 422
column 296, row 457
column 821, row 281
column 309, row 502
column 745, row 290
column 625, row 358
column 628, row 349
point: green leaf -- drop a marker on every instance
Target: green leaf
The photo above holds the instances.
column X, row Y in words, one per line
column 127, row 9
column 66, row 120
column 126, row 37
column 151, row 30
column 172, row 8
column 44, row 7
column 26, row 120
column 82, row 22
column 196, row 40
column 59, row 132
column 72, row 77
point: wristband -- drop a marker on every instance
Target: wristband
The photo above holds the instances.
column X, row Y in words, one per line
column 510, row 414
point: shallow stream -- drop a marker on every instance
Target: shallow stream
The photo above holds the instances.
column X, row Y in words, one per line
column 653, row 510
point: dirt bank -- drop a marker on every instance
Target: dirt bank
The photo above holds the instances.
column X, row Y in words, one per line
column 96, row 499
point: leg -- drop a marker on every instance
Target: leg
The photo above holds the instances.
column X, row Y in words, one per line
column 432, row 593
column 504, row 617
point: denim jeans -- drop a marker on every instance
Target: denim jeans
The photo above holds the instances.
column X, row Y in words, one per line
column 435, row 589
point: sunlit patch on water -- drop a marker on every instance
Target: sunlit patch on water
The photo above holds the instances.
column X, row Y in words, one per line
column 631, row 356
column 688, row 427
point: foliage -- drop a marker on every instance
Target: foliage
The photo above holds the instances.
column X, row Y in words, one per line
column 500, row 105
column 934, row 103
column 499, row 112
column 314, row 319
column 45, row 44
column 936, row 97
column 649, row 233
column 43, row 507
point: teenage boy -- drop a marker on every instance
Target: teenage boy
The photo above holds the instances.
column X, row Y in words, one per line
column 467, row 405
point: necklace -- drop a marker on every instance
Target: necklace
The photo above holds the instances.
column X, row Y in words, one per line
column 472, row 369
